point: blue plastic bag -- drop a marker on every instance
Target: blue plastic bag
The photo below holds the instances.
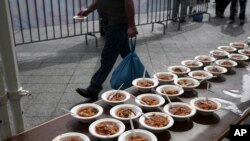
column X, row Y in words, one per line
column 197, row 16
column 129, row 69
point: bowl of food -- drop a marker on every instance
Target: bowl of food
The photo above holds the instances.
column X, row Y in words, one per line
column 156, row 122
column 200, row 75
column 115, row 97
column 71, row 136
column 239, row 58
column 215, row 70
column 149, row 102
column 238, row 45
column 245, row 52
column 205, row 59
column 122, row 112
column 141, row 135
column 106, row 128
column 79, row 18
column 226, row 63
column 145, row 84
column 205, row 106
column 192, row 64
column 228, row 49
column 165, row 77
column 219, row 54
column 87, row 112
column 187, row 83
column 179, row 70
column 179, row 111
column 171, row 90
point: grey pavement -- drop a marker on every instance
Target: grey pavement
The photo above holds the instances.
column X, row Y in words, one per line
column 52, row 70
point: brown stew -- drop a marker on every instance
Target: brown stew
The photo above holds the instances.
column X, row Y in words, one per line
column 226, row 63
column 204, row 58
column 206, row 104
column 199, row 75
column 179, row 70
column 125, row 113
column 192, row 64
column 185, row 82
column 87, row 112
column 238, row 45
column 137, row 138
column 145, row 83
column 246, row 52
column 170, row 91
column 214, row 69
column 71, row 139
column 149, row 100
column 107, row 128
column 237, row 57
column 116, row 97
column 180, row 110
column 156, row 120
column 165, row 77
column 219, row 53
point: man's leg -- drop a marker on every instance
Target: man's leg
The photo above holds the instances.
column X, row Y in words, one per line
column 184, row 5
column 125, row 49
column 232, row 11
column 176, row 4
column 243, row 4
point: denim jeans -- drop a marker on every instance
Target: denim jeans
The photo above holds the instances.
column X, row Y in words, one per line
column 243, row 4
column 116, row 43
column 176, row 4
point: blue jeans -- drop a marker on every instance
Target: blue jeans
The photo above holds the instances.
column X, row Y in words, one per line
column 243, row 4
column 116, row 43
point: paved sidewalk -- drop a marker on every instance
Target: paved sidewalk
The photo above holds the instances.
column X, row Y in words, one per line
column 53, row 70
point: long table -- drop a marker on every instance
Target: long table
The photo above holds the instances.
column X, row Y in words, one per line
column 233, row 87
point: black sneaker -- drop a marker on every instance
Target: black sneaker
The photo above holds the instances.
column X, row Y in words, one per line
column 220, row 15
column 231, row 21
column 86, row 93
column 242, row 22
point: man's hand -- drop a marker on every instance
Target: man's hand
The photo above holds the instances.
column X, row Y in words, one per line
column 132, row 31
column 83, row 13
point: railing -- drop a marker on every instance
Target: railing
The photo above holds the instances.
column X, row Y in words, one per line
column 43, row 20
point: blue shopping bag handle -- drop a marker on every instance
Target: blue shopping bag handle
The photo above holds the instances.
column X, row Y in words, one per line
column 132, row 43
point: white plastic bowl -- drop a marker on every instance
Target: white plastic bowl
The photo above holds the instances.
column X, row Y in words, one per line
column 242, row 51
column 185, row 70
column 134, row 108
column 208, row 75
column 145, row 89
column 165, row 87
column 243, row 57
column 191, row 80
column 69, row 135
column 106, row 94
column 79, row 18
column 205, row 62
column 186, row 62
column 150, row 107
column 228, row 49
column 177, row 117
column 120, row 125
column 219, row 62
column 222, row 54
column 139, row 132
column 203, row 111
column 216, row 74
column 82, row 106
column 156, row 129
column 161, row 81
column 234, row 44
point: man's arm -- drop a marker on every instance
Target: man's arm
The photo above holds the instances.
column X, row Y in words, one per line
column 130, row 10
column 90, row 9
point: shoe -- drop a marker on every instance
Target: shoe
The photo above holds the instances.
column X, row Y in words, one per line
column 231, row 21
column 220, row 15
column 242, row 22
column 86, row 93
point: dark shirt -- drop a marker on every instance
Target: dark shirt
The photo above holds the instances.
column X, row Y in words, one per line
column 112, row 11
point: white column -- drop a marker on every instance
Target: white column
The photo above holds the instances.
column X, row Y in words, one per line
column 10, row 65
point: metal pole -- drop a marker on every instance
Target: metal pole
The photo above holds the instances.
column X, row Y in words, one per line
column 10, row 66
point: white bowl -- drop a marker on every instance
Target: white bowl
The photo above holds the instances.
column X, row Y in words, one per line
column 207, row 75
column 215, row 74
column 190, row 80
column 228, row 49
column 136, row 110
column 221, row 54
column 185, row 70
column 166, row 87
column 149, row 107
column 156, row 129
column 76, row 109
column 245, row 52
column 145, row 89
column 235, row 44
column 178, row 117
column 238, row 57
column 109, row 93
column 205, row 59
column 192, row 64
column 161, row 81
column 219, row 62
column 92, row 129
column 68, row 137
column 79, row 18
column 203, row 111
column 139, row 132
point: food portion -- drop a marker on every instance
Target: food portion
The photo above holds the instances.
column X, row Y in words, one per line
column 165, row 77
column 149, row 100
column 199, row 75
column 179, row 70
column 206, row 104
column 107, row 128
column 204, row 58
column 219, row 53
column 228, row 49
column 71, row 139
column 170, row 91
column 180, row 110
column 137, row 138
column 145, row 83
column 87, row 112
column 246, row 52
column 185, row 82
column 116, row 97
column 226, row 63
column 157, row 120
column 237, row 57
column 238, row 45
column 192, row 64
column 125, row 113
column 214, row 69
